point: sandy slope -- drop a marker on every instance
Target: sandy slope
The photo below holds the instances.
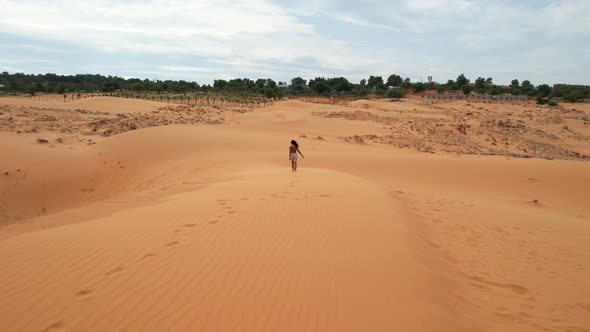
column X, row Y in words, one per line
column 205, row 228
column 98, row 104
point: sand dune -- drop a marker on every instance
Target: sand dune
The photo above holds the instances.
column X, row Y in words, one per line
column 294, row 253
column 97, row 104
column 203, row 227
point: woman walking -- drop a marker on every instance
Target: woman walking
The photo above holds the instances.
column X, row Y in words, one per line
column 293, row 150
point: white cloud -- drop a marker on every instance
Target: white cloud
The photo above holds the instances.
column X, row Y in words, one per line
column 436, row 5
column 260, row 37
column 185, row 68
column 21, row 60
column 567, row 19
column 9, row 68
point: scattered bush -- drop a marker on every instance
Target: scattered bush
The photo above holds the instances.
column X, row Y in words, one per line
column 571, row 93
column 269, row 93
column 396, row 93
column 575, row 96
column 419, row 87
column 552, row 103
column 363, row 92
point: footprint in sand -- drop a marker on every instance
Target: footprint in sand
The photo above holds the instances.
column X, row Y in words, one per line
column 325, row 195
column 114, row 271
column 585, row 306
column 213, row 222
column 518, row 289
column 54, row 327
column 189, row 225
column 148, row 256
column 171, row 244
column 84, row 292
column 232, row 212
column 243, row 199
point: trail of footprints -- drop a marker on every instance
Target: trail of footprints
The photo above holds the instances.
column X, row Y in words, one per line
column 224, row 203
column 227, row 209
column 86, row 293
column 464, row 233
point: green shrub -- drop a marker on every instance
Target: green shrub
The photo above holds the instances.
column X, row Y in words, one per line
column 269, row 92
column 396, row 93
column 552, row 103
column 419, row 86
column 467, row 89
column 542, row 101
column 574, row 96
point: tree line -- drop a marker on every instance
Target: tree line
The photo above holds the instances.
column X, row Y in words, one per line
column 394, row 86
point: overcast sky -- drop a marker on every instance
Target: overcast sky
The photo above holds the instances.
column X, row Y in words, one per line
column 544, row 41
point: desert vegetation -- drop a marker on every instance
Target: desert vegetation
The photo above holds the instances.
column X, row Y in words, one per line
column 245, row 91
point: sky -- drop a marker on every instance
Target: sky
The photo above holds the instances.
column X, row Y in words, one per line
column 544, row 41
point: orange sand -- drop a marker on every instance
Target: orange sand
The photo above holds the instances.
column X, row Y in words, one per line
column 200, row 225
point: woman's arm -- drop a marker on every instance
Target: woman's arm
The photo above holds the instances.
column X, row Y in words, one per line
column 300, row 153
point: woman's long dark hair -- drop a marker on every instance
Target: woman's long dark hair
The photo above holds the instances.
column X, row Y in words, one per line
column 294, row 143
